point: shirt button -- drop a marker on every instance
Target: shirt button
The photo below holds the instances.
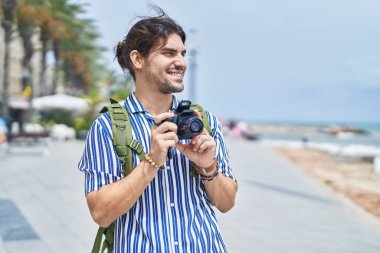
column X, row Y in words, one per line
column 172, row 204
column 168, row 167
column 176, row 243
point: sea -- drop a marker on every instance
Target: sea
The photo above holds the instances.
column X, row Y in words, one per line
column 350, row 144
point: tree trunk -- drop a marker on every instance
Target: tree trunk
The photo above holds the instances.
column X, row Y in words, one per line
column 8, row 7
column 56, row 67
column 26, row 33
column 44, row 41
column 6, row 77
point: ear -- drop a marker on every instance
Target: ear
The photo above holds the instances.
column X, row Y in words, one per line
column 136, row 59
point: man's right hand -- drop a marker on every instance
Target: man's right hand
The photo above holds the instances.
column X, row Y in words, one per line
column 163, row 137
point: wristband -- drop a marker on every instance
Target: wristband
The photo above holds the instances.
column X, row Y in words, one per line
column 210, row 177
column 205, row 172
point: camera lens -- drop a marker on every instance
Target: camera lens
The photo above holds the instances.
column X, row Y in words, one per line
column 195, row 126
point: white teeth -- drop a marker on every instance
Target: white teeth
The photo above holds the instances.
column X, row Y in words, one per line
column 175, row 74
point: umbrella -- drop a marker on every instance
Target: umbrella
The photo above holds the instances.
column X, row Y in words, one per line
column 60, row 101
column 16, row 102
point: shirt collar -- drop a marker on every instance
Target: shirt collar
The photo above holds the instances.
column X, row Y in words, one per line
column 133, row 105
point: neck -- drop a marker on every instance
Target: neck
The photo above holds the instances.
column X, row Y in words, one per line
column 153, row 101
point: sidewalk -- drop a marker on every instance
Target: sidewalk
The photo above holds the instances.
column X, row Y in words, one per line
column 47, row 192
column 278, row 209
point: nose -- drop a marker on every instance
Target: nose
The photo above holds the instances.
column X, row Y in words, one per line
column 180, row 62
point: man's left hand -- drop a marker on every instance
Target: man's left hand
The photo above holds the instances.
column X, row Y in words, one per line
column 201, row 149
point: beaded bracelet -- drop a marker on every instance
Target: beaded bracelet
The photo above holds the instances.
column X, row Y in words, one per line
column 151, row 162
column 210, row 177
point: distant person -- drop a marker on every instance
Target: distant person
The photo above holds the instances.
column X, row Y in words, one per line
column 159, row 206
column 3, row 130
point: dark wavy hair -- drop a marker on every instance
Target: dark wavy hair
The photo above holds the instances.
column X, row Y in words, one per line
column 145, row 35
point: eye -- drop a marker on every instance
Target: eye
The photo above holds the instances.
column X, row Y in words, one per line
column 169, row 53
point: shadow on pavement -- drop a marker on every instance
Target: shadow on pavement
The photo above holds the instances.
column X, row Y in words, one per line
column 290, row 192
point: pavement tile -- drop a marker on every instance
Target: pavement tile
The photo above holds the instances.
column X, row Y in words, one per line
column 27, row 246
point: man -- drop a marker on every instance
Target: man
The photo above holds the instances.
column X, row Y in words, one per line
column 159, row 206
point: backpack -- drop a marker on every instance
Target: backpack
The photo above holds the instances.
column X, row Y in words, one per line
column 125, row 145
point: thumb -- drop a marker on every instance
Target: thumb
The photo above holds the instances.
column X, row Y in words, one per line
column 180, row 147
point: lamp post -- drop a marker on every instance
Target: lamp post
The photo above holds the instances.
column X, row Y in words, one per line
column 192, row 66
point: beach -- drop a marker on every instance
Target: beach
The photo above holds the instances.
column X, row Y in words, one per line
column 353, row 178
column 340, row 157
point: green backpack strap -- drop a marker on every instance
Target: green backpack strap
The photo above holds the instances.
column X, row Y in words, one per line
column 204, row 117
column 122, row 136
column 206, row 125
column 108, row 241
column 124, row 145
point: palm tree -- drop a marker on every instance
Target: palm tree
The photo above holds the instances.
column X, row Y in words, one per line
column 8, row 8
column 70, row 38
column 54, row 22
column 80, row 55
column 26, row 23
column 46, row 23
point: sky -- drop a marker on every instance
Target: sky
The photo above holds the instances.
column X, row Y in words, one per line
column 273, row 60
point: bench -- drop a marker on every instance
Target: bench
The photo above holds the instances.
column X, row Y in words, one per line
column 28, row 139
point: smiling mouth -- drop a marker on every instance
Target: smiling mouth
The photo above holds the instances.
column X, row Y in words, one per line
column 176, row 74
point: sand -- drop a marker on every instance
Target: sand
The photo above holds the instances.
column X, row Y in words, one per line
column 352, row 177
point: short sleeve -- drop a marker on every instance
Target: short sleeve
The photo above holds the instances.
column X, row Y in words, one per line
column 222, row 154
column 99, row 161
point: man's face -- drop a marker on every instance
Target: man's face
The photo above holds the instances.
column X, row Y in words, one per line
column 165, row 66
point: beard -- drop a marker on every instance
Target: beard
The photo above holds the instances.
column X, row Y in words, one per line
column 168, row 88
column 164, row 84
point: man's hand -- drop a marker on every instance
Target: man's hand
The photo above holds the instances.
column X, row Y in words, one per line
column 163, row 137
column 201, row 149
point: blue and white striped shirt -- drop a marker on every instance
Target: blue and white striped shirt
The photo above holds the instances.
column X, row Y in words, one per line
column 173, row 214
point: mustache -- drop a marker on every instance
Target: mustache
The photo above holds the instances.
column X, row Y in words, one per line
column 177, row 68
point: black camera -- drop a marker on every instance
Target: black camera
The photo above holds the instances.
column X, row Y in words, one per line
column 189, row 125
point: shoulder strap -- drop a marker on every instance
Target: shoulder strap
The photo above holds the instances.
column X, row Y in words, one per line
column 204, row 117
column 124, row 145
column 122, row 136
column 108, row 241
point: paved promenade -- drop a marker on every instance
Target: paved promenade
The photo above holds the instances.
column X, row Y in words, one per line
column 278, row 209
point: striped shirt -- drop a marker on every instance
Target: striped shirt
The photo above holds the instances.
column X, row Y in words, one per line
column 173, row 214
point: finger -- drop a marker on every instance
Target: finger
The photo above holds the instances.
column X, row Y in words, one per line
column 170, row 143
column 166, row 127
column 160, row 117
column 180, row 147
column 195, row 139
column 168, row 136
column 165, row 144
column 206, row 145
column 198, row 114
column 200, row 141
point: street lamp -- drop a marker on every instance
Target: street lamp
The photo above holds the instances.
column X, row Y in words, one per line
column 192, row 66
